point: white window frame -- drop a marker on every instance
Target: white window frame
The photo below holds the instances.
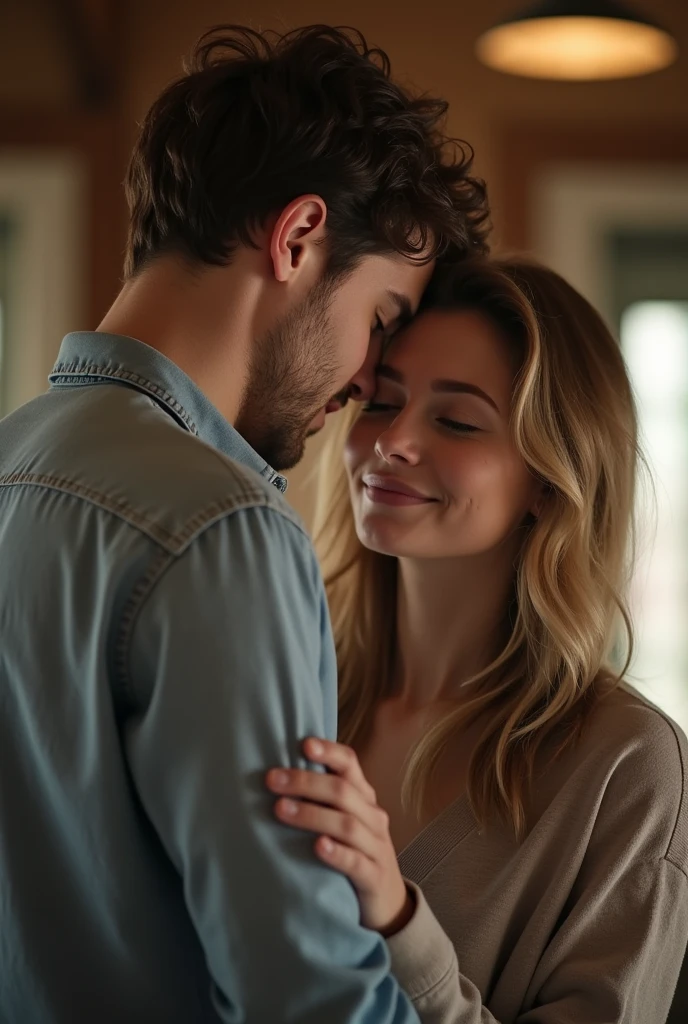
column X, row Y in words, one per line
column 575, row 206
column 42, row 193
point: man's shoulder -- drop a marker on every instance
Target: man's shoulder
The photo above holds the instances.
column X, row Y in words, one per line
column 196, row 485
column 117, row 449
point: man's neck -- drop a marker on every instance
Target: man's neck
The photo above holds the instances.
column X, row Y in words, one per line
column 202, row 321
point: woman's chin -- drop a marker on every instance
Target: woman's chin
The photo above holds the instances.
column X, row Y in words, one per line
column 385, row 539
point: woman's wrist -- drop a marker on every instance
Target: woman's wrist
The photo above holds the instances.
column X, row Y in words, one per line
column 401, row 919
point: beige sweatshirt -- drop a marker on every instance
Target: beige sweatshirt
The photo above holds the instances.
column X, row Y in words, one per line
column 584, row 922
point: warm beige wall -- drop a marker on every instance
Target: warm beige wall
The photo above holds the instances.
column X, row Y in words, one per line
column 34, row 68
column 430, row 43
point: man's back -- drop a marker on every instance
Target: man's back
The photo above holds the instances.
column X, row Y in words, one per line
column 87, row 891
column 141, row 875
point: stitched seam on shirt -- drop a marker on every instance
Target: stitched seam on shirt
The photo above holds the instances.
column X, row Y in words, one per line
column 668, row 856
column 174, row 542
column 422, row 993
column 451, row 847
column 93, row 369
column 128, row 620
column 676, row 867
column 681, row 804
column 122, row 509
column 249, row 496
column 140, row 593
column 682, row 800
column 77, row 369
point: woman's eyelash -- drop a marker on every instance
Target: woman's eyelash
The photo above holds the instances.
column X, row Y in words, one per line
column 454, row 425
column 458, row 427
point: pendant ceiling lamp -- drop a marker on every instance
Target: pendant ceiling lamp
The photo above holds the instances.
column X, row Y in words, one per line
column 577, row 40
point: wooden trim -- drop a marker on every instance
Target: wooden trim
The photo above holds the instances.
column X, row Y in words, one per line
column 524, row 149
column 96, row 140
column 82, row 28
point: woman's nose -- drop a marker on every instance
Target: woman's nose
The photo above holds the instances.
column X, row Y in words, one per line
column 399, row 442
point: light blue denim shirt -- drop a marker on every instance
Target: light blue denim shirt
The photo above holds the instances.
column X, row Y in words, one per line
column 164, row 640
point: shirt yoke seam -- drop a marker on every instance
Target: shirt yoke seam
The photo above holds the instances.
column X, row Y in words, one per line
column 143, row 589
column 174, row 542
column 77, row 369
column 82, row 376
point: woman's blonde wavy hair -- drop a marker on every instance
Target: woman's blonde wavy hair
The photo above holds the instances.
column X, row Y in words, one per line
column 574, row 422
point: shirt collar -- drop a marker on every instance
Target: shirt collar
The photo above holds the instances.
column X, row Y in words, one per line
column 93, row 357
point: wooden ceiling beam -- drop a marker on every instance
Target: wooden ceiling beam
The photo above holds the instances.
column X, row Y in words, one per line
column 87, row 29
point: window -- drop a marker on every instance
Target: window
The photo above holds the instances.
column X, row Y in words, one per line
column 654, row 336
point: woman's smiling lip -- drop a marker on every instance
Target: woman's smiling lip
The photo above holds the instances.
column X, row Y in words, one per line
column 391, row 491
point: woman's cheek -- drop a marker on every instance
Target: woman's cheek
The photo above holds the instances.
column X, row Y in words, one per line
column 360, row 444
column 459, row 471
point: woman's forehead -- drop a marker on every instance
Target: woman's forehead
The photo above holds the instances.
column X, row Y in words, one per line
column 439, row 342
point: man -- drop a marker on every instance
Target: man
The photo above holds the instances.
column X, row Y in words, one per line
column 165, row 638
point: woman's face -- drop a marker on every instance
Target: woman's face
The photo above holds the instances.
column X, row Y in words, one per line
column 433, row 469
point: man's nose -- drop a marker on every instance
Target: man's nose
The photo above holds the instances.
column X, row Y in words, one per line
column 362, row 384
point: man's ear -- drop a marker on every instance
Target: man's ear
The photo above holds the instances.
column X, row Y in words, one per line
column 296, row 240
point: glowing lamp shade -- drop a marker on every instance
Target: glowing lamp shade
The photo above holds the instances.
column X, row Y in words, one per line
column 566, row 39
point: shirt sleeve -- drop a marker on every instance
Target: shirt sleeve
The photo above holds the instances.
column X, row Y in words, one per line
column 228, row 662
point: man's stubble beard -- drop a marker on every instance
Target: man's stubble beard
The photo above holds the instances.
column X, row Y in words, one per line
column 292, row 374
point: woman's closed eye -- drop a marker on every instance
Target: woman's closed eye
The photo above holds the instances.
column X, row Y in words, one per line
column 458, row 426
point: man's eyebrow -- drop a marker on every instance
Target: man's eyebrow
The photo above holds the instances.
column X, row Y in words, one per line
column 383, row 370
column 403, row 304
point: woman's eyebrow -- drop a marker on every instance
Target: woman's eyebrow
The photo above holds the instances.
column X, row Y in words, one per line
column 440, row 385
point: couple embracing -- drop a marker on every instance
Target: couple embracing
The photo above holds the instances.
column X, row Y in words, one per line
column 404, row 781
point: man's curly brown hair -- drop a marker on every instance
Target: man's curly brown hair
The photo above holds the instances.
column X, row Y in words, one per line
column 259, row 119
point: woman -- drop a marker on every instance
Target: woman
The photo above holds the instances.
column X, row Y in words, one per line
column 476, row 579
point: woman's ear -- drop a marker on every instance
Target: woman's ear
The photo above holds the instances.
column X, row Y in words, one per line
column 539, row 500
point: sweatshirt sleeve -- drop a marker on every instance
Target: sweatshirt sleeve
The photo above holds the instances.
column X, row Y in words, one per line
column 616, row 953
column 617, row 956
column 425, row 964
column 614, row 960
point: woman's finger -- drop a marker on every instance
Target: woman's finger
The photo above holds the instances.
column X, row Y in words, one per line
column 361, row 870
column 345, row 828
column 340, row 759
column 327, row 789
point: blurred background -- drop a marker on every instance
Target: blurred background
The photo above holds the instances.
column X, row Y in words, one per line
column 591, row 176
